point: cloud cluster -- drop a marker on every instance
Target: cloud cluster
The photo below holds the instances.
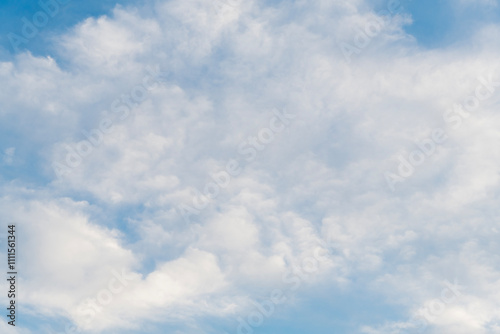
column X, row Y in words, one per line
column 225, row 68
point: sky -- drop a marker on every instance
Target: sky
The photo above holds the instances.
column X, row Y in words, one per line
column 271, row 166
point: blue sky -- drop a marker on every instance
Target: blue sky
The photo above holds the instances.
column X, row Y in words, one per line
column 69, row 14
column 360, row 191
column 440, row 23
column 435, row 23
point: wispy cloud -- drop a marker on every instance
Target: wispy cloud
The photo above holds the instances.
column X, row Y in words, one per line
column 255, row 108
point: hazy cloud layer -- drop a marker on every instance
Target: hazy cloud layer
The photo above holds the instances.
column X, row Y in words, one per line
column 350, row 146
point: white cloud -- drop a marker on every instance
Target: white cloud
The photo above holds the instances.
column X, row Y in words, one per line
column 226, row 68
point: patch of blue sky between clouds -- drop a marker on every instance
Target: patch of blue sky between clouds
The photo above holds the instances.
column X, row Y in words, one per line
column 325, row 311
column 440, row 23
column 68, row 14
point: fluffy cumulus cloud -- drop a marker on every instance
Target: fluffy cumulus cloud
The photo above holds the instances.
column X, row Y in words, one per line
column 184, row 163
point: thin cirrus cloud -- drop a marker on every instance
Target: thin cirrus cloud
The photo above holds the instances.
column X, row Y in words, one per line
column 311, row 216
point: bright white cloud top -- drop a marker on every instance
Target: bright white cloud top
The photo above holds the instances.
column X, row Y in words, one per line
column 192, row 166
